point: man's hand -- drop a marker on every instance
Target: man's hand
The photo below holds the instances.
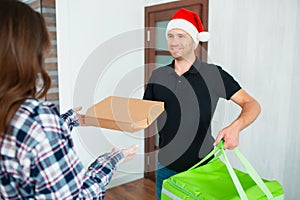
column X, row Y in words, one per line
column 230, row 136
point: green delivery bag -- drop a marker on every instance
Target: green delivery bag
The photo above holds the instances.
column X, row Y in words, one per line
column 217, row 180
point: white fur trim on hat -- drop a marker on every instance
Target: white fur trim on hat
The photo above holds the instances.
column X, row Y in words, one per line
column 203, row 36
column 187, row 27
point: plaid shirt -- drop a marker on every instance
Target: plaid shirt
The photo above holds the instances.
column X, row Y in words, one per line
column 38, row 160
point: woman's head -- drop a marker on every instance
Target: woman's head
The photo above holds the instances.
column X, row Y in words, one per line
column 24, row 40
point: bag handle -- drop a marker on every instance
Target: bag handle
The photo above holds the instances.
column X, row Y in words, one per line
column 234, row 177
column 213, row 152
column 218, row 151
column 253, row 174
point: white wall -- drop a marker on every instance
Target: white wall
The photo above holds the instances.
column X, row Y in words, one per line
column 100, row 53
column 254, row 40
column 258, row 42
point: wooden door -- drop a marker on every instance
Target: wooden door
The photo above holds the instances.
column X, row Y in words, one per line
column 157, row 54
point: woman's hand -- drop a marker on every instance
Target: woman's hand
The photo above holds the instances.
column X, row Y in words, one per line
column 129, row 153
column 81, row 117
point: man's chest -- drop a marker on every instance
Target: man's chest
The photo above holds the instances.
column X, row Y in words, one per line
column 187, row 88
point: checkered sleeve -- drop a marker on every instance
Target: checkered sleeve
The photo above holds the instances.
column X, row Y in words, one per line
column 57, row 171
column 38, row 159
column 99, row 175
column 70, row 118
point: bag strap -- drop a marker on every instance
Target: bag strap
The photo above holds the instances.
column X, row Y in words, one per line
column 213, row 152
column 220, row 151
column 253, row 174
column 234, row 177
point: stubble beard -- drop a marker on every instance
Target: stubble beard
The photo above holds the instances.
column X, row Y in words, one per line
column 177, row 56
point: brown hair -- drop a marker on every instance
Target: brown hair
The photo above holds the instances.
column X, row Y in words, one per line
column 24, row 39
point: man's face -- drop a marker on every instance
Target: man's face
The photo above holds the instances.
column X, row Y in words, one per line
column 180, row 44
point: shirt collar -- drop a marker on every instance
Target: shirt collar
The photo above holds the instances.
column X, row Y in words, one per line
column 193, row 70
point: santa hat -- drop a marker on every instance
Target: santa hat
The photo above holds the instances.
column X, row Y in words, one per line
column 190, row 22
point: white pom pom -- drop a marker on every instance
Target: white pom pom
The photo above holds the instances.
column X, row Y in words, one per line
column 203, row 36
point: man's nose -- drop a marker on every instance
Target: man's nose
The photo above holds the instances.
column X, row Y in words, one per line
column 174, row 41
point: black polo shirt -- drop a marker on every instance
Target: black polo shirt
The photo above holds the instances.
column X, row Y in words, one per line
column 190, row 101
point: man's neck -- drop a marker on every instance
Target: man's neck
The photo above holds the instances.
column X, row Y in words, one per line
column 183, row 65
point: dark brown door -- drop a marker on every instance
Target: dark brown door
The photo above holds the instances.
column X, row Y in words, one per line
column 157, row 54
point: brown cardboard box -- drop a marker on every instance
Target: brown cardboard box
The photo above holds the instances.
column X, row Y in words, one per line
column 125, row 114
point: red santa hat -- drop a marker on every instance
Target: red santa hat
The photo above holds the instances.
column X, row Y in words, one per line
column 190, row 22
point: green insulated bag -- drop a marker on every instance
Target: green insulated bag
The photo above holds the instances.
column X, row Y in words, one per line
column 217, row 180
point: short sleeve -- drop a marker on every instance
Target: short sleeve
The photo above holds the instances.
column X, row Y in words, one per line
column 230, row 85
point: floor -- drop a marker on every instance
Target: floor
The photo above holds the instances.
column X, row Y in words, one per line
column 142, row 189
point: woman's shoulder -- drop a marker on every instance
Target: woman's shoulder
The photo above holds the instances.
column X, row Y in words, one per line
column 36, row 119
column 29, row 125
column 36, row 107
column 36, row 114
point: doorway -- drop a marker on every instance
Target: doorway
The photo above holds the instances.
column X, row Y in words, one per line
column 157, row 55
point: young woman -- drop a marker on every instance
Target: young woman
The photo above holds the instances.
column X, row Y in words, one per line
column 37, row 156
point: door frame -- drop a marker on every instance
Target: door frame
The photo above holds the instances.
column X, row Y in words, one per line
column 153, row 14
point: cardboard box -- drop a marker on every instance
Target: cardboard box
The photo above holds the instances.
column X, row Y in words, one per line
column 125, row 114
